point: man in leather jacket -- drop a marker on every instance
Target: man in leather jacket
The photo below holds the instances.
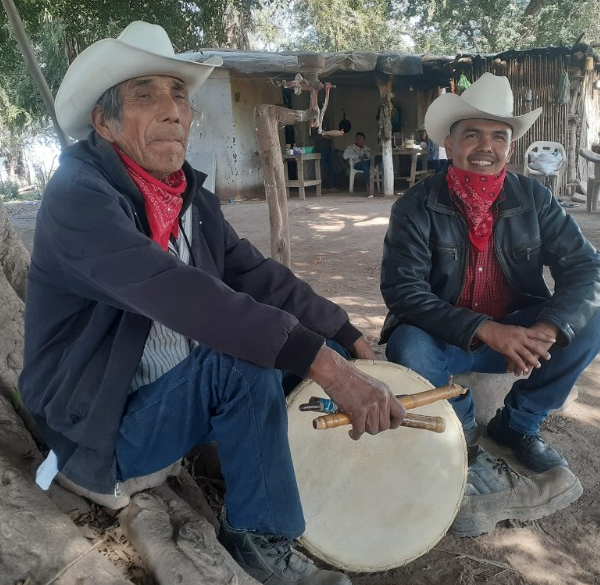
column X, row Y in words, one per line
column 462, row 277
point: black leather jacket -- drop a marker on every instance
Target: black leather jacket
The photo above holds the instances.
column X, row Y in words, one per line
column 426, row 250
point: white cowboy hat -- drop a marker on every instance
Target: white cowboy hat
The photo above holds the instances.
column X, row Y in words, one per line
column 489, row 98
column 141, row 49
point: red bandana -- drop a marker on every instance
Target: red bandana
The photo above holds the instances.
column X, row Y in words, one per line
column 162, row 199
column 476, row 193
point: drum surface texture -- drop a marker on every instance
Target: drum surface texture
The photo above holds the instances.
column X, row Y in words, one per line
column 382, row 501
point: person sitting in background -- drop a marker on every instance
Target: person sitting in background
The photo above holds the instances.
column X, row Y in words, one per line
column 433, row 151
column 359, row 155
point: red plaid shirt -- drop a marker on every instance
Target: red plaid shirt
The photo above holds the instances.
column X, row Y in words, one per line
column 486, row 289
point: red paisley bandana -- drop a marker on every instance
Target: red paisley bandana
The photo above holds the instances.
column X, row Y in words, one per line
column 162, row 199
column 476, row 193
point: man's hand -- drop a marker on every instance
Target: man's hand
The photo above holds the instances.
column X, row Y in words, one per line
column 362, row 350
column 370, row 403
column 523, row 347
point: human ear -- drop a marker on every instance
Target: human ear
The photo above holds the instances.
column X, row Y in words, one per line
column 102, row 127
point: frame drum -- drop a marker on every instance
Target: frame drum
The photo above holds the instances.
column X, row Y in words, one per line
column 382, row 501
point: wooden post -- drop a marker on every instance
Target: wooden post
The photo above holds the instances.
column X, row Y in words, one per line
column 269, row 118
column 34, row 68
column 385, row 134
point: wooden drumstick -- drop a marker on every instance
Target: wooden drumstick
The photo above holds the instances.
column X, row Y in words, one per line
column 409, row 401
column 435, row 424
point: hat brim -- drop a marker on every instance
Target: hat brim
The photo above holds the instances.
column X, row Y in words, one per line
column 450, row 108
column 108, row 63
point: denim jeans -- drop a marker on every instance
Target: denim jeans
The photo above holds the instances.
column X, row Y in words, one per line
column 365, row 167
column 530, row 399
column 213, row 397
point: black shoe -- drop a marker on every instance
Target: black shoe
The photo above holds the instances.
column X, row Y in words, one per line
column 271, row 559
column 471, row 434
column 531, row 450
column 496, row 492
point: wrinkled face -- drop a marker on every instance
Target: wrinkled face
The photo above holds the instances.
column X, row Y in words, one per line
column 480, row 146
column 155, row 122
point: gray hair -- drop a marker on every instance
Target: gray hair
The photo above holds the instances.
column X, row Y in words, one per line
column 110, row 104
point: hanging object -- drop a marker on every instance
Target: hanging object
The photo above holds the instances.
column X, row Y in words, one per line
column 463, row 83
column 345, row 125
column 564, row 88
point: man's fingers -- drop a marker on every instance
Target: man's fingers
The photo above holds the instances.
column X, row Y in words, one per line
column 358, row 428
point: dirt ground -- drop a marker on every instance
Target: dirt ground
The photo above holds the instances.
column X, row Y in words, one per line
column 336, row 243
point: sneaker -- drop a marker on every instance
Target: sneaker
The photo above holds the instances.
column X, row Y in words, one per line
column 471, row 434
column 530, row 450
column 496, row 492
column 271, row 559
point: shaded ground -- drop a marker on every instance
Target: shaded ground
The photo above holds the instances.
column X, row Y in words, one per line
column 336, row 247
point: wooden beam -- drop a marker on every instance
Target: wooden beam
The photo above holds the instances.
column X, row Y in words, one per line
column 269, row 118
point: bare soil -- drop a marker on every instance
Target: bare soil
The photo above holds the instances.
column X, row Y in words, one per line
column 336, row 244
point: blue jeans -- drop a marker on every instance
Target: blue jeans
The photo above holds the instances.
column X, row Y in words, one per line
column 365, row 167
column 213, row 397
column 530, row 399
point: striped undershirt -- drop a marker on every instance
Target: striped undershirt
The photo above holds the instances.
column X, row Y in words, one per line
column 165, row 348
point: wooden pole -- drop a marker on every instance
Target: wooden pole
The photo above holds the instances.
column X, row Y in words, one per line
column 385, row 134
column 34, row 69
column 268, row 119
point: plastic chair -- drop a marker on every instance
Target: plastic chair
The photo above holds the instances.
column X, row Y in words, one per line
column 353, row 173
column 545, row 159
column 593, row 180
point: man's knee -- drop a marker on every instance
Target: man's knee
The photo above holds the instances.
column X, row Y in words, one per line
column 409, row 346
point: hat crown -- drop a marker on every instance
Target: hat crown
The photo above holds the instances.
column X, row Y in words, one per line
column 492, row 94
column 147, row 37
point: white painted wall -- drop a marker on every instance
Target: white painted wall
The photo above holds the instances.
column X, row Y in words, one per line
column 225, row 126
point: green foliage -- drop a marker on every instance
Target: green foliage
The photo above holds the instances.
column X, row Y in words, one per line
column 9, row 190
column 487, row 26
column 336, row 25
column 59, row 30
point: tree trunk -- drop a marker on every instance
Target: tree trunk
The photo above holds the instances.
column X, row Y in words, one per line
column 269, row 119
column 14, row 262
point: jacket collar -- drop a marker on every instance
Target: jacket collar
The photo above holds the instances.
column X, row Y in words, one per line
column 101, row 154
column 512, row 200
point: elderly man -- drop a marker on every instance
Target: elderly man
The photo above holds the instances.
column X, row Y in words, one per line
column 462, row 279
column 152, row 327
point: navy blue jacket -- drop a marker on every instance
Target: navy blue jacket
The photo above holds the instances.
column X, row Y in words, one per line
column 426, row 251
column 97, row 281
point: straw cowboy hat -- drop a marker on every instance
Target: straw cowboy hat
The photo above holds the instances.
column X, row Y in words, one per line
column 141, row 49
column 489, row 98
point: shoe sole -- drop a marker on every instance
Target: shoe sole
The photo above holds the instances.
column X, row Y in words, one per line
column 482, row 524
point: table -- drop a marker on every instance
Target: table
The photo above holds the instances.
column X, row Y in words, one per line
column 302, row 182
column 414, row 153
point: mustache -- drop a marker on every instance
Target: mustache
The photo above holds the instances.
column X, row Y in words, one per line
column 176, row 135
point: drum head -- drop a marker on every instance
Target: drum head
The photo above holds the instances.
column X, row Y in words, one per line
column 382, row 501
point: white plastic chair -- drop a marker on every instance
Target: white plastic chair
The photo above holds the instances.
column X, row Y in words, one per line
column 353, row 172
column 546, row 159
